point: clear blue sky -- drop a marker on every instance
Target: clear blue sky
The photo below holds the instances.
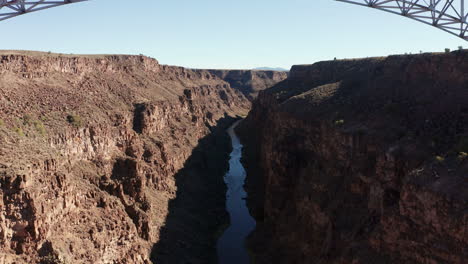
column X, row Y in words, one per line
column 223, row 33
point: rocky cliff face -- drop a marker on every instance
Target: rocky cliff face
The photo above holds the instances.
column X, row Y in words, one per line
column 250, row 82
column 362, row 161
column 91, row 156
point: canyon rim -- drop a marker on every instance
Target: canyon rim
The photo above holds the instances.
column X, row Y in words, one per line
column 361, row 161
column 119, row 159
column 112, row 159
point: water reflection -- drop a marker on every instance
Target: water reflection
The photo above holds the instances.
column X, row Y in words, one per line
column 231, row 245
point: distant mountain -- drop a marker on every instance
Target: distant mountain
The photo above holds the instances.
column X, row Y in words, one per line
column 270, row 69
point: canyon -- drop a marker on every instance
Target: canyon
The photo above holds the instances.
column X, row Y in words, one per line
column 111, row 159
column 250, row 82
column 120, row 159
column 361, row 161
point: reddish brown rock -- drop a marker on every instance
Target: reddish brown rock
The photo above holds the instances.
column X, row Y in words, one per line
column 362, row 161
column 89, row 150
column 250, row 82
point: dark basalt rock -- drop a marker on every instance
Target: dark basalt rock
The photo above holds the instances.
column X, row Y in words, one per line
column 361, row 161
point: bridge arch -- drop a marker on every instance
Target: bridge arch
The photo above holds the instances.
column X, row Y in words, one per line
column 450, row 16
column 13, row 8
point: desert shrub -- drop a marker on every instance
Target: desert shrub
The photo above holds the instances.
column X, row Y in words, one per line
column 462, row 155
column 27, row 120
column 19, row 131
column 75, row 120
column 39, row 127
column 52, row 259
column 439, row 159
column 145, row 205
column 339, row 122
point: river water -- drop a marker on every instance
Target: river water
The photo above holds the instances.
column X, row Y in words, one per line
column 231, row 245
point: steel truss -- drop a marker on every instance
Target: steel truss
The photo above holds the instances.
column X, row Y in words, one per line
column 13, row 8
column 447, row 15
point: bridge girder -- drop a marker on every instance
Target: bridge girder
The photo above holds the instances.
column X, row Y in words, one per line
column 448, row 15
column 13, row 8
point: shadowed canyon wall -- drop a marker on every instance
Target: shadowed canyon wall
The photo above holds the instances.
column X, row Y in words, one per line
column 250, row 82
column 93, row 155
column 118, row 159
column 361, row 161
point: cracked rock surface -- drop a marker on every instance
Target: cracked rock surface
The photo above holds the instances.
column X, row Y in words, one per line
column 89, row 150
column 361, row 161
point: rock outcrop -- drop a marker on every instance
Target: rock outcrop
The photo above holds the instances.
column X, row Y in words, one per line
column 362, row 161
column 250, row 82
column 91, row 155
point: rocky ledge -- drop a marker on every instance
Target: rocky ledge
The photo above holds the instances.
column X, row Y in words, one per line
column 250, row 82
column 362, row 161
column 99, row 154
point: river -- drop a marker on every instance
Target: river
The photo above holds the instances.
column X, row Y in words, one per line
column 231, row 245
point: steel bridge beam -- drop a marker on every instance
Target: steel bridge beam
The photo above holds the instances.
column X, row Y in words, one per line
column 450, row 16
column 13, row 8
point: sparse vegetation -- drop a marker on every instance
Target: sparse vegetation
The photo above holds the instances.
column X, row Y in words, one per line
column 447, row 50
column 52, row 259
column 19, row 131
column 1, row 122
column 27, row 120
column 462, row 155
column 439, row 159
column 75, row 120
column 145, row 205
column 339, row 122
column 39, row 126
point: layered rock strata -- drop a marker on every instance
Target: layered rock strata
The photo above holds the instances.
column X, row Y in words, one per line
column 362, row 161
column 92, row 151
column 250, row 82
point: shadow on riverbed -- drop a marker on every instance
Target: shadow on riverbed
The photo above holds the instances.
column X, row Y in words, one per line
column 197, row 214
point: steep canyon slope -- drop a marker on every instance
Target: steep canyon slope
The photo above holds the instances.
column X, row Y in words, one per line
column 94, row 152
column 250, row 82
column 362, row 161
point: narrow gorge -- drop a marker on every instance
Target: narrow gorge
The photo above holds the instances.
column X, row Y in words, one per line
column 120, row 159
column 112, row 159
column 361, row 161
column 231, row 245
